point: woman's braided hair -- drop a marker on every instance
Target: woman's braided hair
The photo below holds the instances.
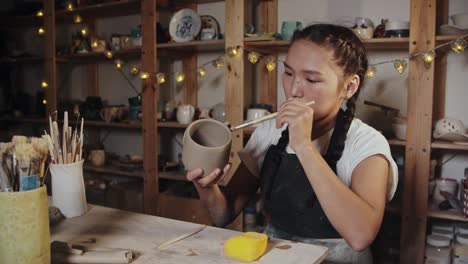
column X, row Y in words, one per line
column 349, row 54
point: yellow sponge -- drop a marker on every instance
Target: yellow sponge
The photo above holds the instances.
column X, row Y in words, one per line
column 246, row 247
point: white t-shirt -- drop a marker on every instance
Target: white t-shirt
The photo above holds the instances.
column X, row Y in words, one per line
column 362, row 141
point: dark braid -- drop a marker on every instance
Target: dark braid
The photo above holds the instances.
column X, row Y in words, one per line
column 349, row 54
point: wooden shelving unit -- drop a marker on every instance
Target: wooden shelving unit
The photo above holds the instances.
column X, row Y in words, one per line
column 99, row 124
column 168, row 175
column 93, row 57
column 113, row 171
column 20, row 60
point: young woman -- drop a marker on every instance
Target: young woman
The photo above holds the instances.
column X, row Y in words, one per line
column 325, row 176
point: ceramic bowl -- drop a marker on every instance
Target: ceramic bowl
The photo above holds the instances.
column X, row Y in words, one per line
column 460, row 19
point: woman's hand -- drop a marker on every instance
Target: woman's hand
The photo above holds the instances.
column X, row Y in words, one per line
column 203, row 182
column 300, row 118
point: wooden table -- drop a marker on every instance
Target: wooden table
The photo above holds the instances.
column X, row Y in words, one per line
column 143, row 234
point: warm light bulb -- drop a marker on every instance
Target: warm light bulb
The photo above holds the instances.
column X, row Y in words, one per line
column 233, row 52
column 253, row 57
column 44, row 101
column 371, row 72
column 84, row 31
column 458, row 45
column 40, row 13
column 94, row 44
column 180, row 77
column 44, row 84
column 77, row 19
column 108, row 54
column 218, row 64
column 118, row 64
column 201, row 72
column 70, row 7
column 144, row 75
column 400, row 66
column 41, row 31
column 270, row 64
column 134, row 70
column 428, row 57
column 161, row 77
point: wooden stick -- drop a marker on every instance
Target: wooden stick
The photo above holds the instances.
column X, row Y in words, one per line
column 51, row 129
column 57, row 143
column 183, row 236
column 81, row 139
column 73, row 147
column 261, row 119
column 65, row 130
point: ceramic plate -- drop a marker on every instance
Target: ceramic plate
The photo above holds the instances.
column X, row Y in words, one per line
column 185, row 25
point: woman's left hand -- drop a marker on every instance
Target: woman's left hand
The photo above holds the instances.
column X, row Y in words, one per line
column 299, row 117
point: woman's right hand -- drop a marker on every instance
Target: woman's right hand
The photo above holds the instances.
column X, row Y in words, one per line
column 204, row 182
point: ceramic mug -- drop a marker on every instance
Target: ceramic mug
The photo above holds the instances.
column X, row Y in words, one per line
column 288, row 28
column 97, row 157
column 185, row 113
column 110, row 113
column 444, row 185
column 206, row 144
column 254, row 113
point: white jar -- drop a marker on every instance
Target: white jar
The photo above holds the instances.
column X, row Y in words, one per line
column 460, row 250
column 443, row 226
column 462, row 229
column 438, row 250
column 444, row 233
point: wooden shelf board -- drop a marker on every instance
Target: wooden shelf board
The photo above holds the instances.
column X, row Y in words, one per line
column 447, row 38
column 168, row 175
column 12, row 22
column 458, row 216
column 172, row 124
column 172, row 175
column 396, row 142
column 112, row 170
column 438, row 144
column 92, row 57
column 20, row 60
column 191, row 46
column 117, row 8
column 89, row 123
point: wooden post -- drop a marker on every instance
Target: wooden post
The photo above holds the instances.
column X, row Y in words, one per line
column 440, row 67
column 149, row 105
column 49, row 56
column 93, row 135
column 268, row 22
column 418, row 140
column 234, row 72
column 189, row 67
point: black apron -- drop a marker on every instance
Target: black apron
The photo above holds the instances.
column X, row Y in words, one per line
column 289, row 199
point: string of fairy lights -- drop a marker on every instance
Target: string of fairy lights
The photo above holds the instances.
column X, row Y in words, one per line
column 270, row 62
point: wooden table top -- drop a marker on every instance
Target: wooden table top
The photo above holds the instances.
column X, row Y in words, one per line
column 112, row 228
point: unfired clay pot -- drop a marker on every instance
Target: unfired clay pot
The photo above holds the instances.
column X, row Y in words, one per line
column 206, row 144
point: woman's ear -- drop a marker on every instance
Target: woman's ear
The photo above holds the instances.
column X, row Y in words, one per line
column 351, row 86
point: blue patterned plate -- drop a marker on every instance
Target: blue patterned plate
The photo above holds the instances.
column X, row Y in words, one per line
column 185, row 25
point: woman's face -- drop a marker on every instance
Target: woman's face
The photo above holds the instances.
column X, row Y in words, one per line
column 310, row 73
